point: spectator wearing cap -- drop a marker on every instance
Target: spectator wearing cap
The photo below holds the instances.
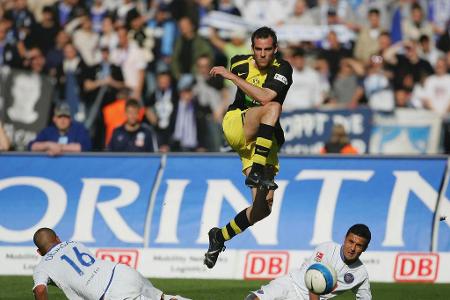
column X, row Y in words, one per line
column 133, row 136
column 64, row 135
column 161, row 108
column 190, row 124
column 305, row 91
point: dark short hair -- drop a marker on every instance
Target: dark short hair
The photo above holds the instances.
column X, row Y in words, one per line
column 298, row 52
column 264, row 33
column 132, row 103
column 424, row 38
column 373, row 10
column 360, row 230
column 415, row 6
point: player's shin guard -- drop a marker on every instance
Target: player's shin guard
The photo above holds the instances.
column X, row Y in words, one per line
column 236, row 226
column 259, row 158
column 263, row 145
column 260, row 208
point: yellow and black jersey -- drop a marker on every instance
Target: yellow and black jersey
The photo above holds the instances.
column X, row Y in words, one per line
column 277, row 77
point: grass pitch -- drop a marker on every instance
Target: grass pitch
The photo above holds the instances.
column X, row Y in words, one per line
column 19, row 287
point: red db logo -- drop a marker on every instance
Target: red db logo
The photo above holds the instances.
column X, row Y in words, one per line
column 121, row 256
column 266, row 264
column 418, row 267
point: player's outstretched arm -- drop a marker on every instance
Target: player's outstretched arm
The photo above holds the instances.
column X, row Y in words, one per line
column 260, row 94
column 40, row 292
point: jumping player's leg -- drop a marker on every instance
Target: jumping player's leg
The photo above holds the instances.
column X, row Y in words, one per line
column 261, row 207
column 262, row 195
column 259, row 125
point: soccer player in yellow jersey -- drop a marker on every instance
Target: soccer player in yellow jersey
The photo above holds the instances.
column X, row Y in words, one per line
column 252, row 128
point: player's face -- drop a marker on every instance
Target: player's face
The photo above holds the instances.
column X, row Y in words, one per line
column 354, row 245
column 264, row 52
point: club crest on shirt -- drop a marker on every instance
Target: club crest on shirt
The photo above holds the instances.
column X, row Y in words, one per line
column 319, row 256
column 348, row 278
column 140, row 139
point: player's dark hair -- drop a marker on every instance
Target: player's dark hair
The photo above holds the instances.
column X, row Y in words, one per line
column 264, row 33
column 132, row 103
column 43, row 238
column 360, row 230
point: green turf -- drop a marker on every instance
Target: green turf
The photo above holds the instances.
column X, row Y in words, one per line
column 19, row 287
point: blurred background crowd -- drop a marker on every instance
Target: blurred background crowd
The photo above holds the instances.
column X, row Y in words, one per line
column 133, row 75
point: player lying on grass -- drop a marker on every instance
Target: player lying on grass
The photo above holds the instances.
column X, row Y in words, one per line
column 80, row 275
column 351, row 272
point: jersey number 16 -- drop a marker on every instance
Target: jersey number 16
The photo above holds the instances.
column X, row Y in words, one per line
column 83, row 258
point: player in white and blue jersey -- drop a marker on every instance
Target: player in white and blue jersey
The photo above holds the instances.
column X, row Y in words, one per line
column 80, row 275
column 351, row 272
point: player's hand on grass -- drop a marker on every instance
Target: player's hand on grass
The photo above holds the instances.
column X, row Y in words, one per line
column 170, row 297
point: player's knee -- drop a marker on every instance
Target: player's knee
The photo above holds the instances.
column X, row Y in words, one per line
column 269, row 204
column 251, row 297
column 273, row 109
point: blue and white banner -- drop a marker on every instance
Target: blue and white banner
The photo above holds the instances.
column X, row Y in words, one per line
column 306, row 131
column 100, row 201
column 407, row 132
column 154, row 212
column 105, row 201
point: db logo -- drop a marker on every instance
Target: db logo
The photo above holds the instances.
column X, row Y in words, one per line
column 265, row 264
column 121, row 256
column 416, row 267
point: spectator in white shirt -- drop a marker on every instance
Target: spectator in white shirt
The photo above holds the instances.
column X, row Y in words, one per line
column 132, row 61
column 305, row 91
column 437, row 89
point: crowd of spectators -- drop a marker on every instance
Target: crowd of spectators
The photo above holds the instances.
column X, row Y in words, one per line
column 135, row 72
